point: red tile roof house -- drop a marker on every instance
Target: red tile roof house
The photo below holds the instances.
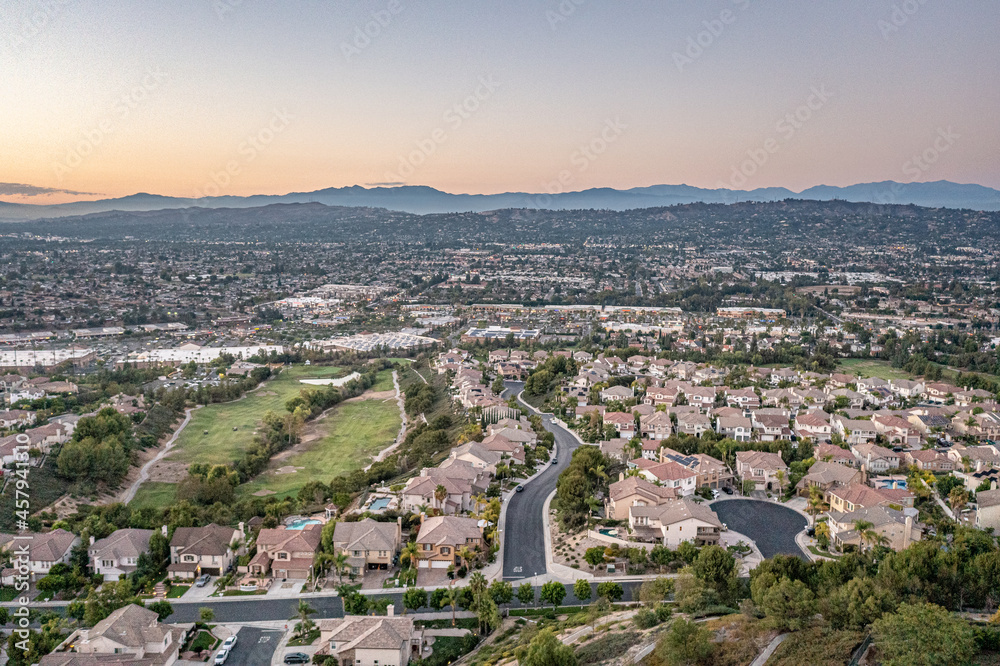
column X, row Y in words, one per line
column 771, row 427
column 634, row 491
column 203, row 550
column 286, row 553
column 744, row 398
column 623, row 423
column 814, row 426
column 897, row 430
column 656, row 425
column 834, row 453
column 702, row 397
column 682, row 480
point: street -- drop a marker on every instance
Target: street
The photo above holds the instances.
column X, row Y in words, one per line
column 771, row 526
column 524, row 535
column 254, row 647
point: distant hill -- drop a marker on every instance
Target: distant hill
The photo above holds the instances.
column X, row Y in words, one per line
column 424, row 200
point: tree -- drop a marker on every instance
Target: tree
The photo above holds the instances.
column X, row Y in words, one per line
column 553, row 592
column 502, row 592
column 162, row 608
column 414, row 598
column 868, row 535
column 610, row 591
column 596, row 610
column 546, row 650
column 685, row 644
column 451, row 598
column 206, row 614
column 823, row 535
column 923, row 634
column 691, row 593
column 594, row 556
column 305, row 625
column 525, row 593
column 717, row 568
column 788, row 604
column 581, row 589
column 816, row 504
column 656, row 591
column 958, row 498
column 440, row 493
column 409, row 554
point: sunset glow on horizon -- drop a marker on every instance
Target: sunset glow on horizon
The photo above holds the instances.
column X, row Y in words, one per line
column 239, row 97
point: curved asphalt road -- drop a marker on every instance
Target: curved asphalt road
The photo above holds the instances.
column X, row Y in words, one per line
column 772, row 527
column 523, row 537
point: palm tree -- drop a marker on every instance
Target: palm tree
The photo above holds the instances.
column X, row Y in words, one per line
column 340, row 563
column 303, row 612
column 440, row 493
column 466, row 554
column 868, row 535
column 451, row 596
column 410, row 552
column 593, row 504
column 816, row 503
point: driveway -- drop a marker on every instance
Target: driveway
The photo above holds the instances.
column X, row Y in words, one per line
column 254, row 647
column 771, row 526
column 524, row 533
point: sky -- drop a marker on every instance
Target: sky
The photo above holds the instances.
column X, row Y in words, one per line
column 236, row 97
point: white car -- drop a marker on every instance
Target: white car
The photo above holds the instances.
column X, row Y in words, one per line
column 229, row 643
column 221, row 657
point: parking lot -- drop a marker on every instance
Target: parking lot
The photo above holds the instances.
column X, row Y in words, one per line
column 254, row 647
column 771, row 526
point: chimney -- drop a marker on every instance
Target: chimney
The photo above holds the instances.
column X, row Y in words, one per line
column 391, row 610
column 621, row 476
column 92, row 539
column 240, row 527
column 993, row 486
column 163, row 530
column 907, row 529
column 864, row 474
column 423, row 516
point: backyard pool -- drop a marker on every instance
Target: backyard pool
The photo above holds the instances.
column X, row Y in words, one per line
column 301, row 523
column 379, row 504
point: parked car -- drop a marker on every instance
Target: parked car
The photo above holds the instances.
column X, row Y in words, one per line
column 202, row 580
column 727, row 490
column 555, row 460
column 229, row 643
column 296, row 658
column 221, row 657
column 518, row 489
column 716, row 494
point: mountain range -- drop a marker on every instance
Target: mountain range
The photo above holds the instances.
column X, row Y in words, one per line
column 423, row 200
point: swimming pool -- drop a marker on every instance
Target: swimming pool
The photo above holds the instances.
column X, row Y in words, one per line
column 301, row 523
column 379, row 504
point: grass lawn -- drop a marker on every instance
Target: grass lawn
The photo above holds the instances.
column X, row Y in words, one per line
column 308, row 640
column 872, row 368
column 8, row 593
column 177, row 591
column 154, row 494
column 222, row 444
column 352, row 432
column 203, row 641
column 816, row 646
column 383, row 381
column 816, row 551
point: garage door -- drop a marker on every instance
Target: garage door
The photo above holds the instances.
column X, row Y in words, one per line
column 423, row 564
column 440, row 564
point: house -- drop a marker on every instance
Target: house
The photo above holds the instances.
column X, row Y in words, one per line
column 739, row 428
column 814, row 425
column 744, row 398
column 693, row 423
column 876, row 459
column 712, row 473
column 762, row 468
column 442, row 538
column 702, row 397
column 12, row 418
column 826, row 476
column 286, row 552
column 854, row 431
column 834, row 453
column 131, row 634
column 906, row 388
column 362, row 640
column 656, row 425
column 897, row 430
column 613, row 393
column 771, row 427
column 858, row 495
column 674, row 522
column 669, row 474
column 460, row 480
column 897, row 528
column 939, row 392
column 368, row 544
column 477, row 455
column 930, row 460
column 43, row 550
column 988, row 509
column 634, row 491
column 118, row 554
column 623, row 423
column 614, row 448
column 203, row 550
